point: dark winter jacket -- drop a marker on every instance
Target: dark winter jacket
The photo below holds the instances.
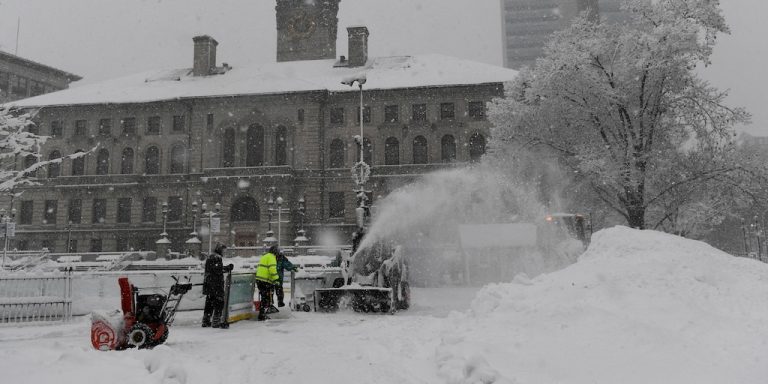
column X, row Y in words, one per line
column 213, row 282
column 283, row 264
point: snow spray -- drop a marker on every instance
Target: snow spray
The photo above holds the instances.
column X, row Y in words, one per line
column 425, row 217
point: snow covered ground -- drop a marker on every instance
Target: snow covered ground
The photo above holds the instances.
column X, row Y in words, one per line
column 638, row 307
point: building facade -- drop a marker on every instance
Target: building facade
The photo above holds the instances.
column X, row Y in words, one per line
column 21, row 78
column 157, row 147
column 528, row 24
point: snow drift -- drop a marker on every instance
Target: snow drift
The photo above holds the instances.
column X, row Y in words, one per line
column 638, row 307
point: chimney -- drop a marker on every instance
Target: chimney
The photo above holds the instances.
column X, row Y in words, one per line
column 358, row 46
column 205, row 55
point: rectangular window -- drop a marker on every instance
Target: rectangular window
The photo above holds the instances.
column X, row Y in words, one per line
column 366, row 115
column 124, row 210
column 447, row 111
column 476, row 110
column 57, row 128
column 96, row 245
column 81, row 128
column 4, row 82
column 36, row 89
column 179, row 123
column 419, row 112
column 128, row 125
column 105, row 127
column 336, row 204
column 122, row 244
column 391, row 114
column 153, row 125
column 175, row 206
column 337, row 116
column 21, row 86
column 25, row 216
column 99, row 211
column 209, row 121
column 75, row 211
column 51, row 209
column 149, row 210
column 300, row 115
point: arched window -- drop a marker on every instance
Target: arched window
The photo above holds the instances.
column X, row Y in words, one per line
column 228, row 148
column 392, row 151
column 126, row 162
column 152, row 161
column 29, row 161
column 476, row 147
column 367, row 152
column 78, row 164
column 281, row 146
column 178, row 158
column 337, row 153
column 102, row 162
column 54, row 169
column 254, row 145
column 245, row 209
column 420, row 150
column 448, row 149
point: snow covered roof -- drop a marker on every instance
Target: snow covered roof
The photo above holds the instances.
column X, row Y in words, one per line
column 497, row 235
column 274, row 78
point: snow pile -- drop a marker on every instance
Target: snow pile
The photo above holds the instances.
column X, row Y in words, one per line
column 638, row 307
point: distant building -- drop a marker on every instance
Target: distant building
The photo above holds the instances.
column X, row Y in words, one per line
column 528, row 24
column 21, row 78
column 242, row 136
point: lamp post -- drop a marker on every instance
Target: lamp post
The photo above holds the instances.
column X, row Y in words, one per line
column 301, row 238
column 69, row 237
column 211, row 213
column 165, row 219
column 194, row 219
column 363, row 168
column 7, row 221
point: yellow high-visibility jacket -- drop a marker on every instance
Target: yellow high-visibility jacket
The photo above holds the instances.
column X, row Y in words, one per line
column 267, row 269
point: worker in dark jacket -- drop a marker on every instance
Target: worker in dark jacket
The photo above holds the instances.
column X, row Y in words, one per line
column 283, row 264
column 213, row 288
column 266, row 280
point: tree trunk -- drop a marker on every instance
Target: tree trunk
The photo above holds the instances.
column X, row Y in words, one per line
column 636, row 217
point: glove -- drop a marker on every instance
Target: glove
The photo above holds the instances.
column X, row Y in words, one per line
column 295, row 269
column 230, row 267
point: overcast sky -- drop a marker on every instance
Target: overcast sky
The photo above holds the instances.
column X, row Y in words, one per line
column 102, row 39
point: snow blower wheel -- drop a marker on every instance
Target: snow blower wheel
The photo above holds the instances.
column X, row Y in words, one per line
column 141, row 336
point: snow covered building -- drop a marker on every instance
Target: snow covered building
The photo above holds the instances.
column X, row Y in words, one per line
column 21, row 78
column 242, row 136
column 528, row 24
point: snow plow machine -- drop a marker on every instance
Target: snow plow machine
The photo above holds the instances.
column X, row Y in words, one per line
column 145, row 318
column 374, row 280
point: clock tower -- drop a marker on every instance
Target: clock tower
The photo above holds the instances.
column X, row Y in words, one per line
column 306, row 29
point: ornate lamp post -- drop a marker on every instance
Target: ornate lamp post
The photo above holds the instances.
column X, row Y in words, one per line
column 302, row 234
column 165, row 219
column 361, row 171
column 211, row 213
column 8, row 222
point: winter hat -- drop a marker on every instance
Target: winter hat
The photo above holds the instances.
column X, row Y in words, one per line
column 220, row 249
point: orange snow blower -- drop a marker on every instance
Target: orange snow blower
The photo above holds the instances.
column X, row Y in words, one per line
column 144, row 321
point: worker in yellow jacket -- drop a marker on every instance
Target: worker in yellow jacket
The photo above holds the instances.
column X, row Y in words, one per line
column 266, row 279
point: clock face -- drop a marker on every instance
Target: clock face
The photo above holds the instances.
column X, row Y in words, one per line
column 301, row 26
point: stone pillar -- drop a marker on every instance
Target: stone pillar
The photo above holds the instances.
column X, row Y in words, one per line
column 161, row 247
column 194, row 246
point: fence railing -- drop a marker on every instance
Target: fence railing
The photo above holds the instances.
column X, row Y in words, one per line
column 35, row 298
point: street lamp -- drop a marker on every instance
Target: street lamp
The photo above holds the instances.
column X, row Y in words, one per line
column 211, row 213
column 362, row 167
column 7, row 222
column 69, row 237
column 194, row 219
column 165, row 219
column 301, row 238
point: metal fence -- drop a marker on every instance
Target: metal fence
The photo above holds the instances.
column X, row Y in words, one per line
column 35, row 298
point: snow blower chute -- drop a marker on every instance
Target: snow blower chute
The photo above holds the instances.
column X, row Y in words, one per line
column 144, row 321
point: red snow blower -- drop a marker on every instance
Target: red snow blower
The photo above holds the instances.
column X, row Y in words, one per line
column 145, row 319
